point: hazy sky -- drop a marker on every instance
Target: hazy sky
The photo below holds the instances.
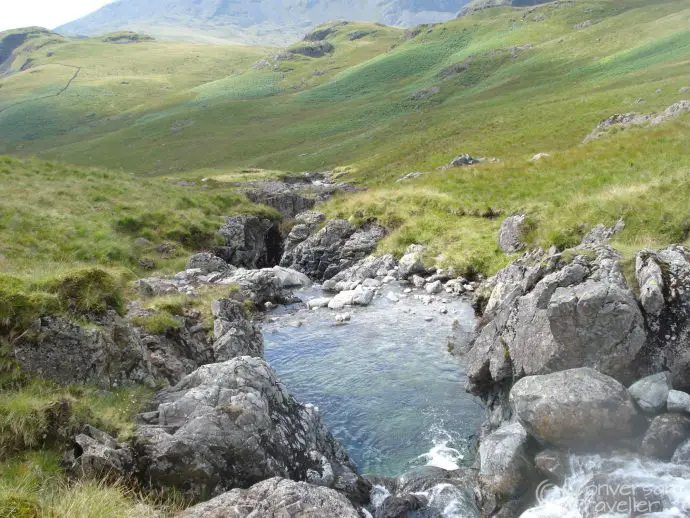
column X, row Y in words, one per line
column 44, row 13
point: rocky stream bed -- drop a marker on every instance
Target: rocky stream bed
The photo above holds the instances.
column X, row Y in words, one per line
column 375, row 386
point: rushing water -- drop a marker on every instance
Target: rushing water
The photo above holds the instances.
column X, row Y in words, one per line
column 616, row 487
column 385, row 383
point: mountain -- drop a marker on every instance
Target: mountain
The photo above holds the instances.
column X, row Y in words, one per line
column 251, row 21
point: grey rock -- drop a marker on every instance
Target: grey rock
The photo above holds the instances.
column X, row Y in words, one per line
column 433, row 288
column 96, row 455
column 305, row 224
column 411, row 263
column 666, row 433
column 664, row 279
column 651, row 393
column 358, row 297
column 260, row 286
column 319, row 302
column 682, row 454
column 276, row 497
column 678, row 402
column 207, row 263
column 553, row 464
column 577, row 409
column 463, row 160
column 68, row 353
column 231, row 425
column 287, row 199
column 544, row 315
column 400, row 506
column 334, row 248
column 250, row 242
column 234, row 334
column 627, row 120
column 506, row 460
column 510, row 234
column 368, row 268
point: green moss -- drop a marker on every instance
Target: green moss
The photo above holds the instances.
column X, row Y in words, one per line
column 157, row 323
column 87, row 291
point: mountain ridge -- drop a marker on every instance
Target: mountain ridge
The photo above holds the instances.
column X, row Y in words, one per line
column 253, row 22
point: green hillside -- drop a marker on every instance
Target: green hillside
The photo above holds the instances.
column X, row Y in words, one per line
column 380, row 102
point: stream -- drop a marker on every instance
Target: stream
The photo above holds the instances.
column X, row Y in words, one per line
column 385, row 383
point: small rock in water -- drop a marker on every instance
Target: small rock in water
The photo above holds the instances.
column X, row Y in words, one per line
column 321, row 302
column 434, row 287
column 343, row 318
column 418, row 281
column 393, row 297
column 429, row 319
column 444, row 311
column 407, row 291
column 269, row 305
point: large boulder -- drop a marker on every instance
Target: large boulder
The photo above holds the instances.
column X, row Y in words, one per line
column 231, row 425
column 666, row 433
column 261, row 286
column 67, row 352
column 506, row 460
column 651, row 393
column 250, row 242
column 577, row 409
column 678, row 402
column 510, row 234
column 556, row 312
column 332, row 249
column 276, row 497
column 664, row 280
column 412, row 262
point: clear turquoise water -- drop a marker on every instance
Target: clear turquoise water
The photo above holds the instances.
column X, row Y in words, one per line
column 385, row 383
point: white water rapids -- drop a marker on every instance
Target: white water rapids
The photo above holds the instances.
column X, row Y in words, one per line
column 616, row 487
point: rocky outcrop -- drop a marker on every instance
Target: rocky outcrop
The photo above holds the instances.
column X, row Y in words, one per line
column 260, row 286
column 332, row 249
column 368, row 268
column 231, row 425
column 664, row 280
column 306, row 223
column 207, row 263
column 67, row 352
column 250, row 242
column 510, row 234
column 579, row 409
column 234, row 334
column 283, row 197
column 276, row 497
column 97, row 455
column 628, row 120
column 551, row 313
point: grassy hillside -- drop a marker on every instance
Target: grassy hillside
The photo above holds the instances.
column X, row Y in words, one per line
column 380, row 102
